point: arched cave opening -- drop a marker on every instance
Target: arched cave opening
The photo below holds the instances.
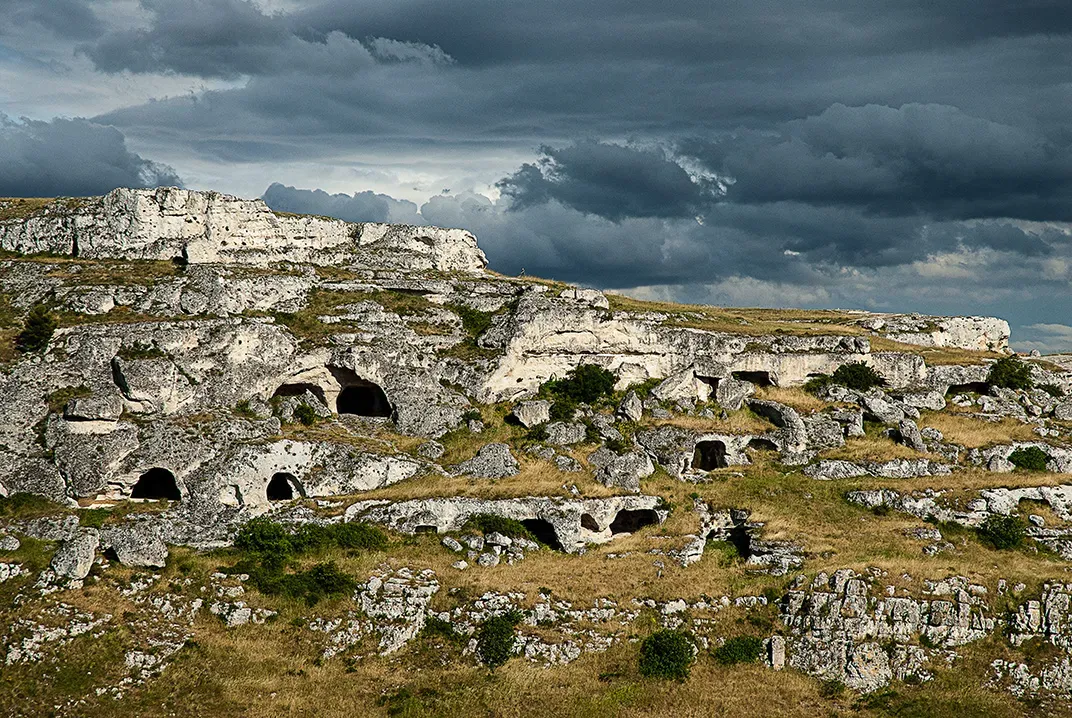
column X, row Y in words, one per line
column 363, row 399
column 589, row 522
column 299, row 389
column 709, row 455
column 156, row 483
column 972, row 387
column 283, row 487
column 761, row 445
column 759, row 378
column 631, row 520
column 543, row 531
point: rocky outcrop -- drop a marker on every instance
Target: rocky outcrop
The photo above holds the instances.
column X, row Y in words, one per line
column 562, row 523
column 209, row 227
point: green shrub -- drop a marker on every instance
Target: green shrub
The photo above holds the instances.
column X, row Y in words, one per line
column 474, row 321
column 618, row 446
column 857, row 375
column 563, row 410
column 305, row 414
column 320, row 581
column 740, row 649
column 537, row 433
column 36, row 330
column 492, row 523
column 587, row 383
column 495, row 639
column 472, row 415
column 1032, row 459
column 1003, row 532
column 1053, row 390
column 269, row 543
column 435, row 626
column 817, row 383
column 1010, row 373
column 359, row 536
column 667, row 654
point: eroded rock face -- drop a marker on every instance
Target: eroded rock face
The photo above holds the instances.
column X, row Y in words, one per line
column 569, row 524
column 206, row 227
column 74, row 558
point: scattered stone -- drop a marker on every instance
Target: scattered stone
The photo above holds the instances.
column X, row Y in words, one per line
column 493, row 461
column 431, row 450
column 74, row 558
column 532, row 413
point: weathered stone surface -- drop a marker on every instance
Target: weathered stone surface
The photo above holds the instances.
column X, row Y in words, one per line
column 532, row 413
column 910, row 436
column 631, row 408
column 564, row 518
column 626, row 471
column 493, row 461
column 137, row 545
column 74, row 558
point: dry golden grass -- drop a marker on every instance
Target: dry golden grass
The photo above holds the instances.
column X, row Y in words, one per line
column 934, row 356
column 793, row 396
column 738, row 422
column 873, row 448
column 975, row 433
column 22, row 207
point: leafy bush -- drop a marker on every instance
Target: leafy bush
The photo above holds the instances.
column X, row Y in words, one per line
column 667, row 654
column 1003, row 532
column 36, row 331
column 740, row 649
column 492, row 523
column 1032, row 459
column 305, row 414
column 472, row 415
column 270, row 547
column 854, row 375
column 563, row 410
column 587, row 383
column 495, row 639
column 1053, row 390
column 474, row 321
column 857, row 375
column 1010, row 373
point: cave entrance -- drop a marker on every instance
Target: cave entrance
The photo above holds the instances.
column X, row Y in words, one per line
column 283, row 487
column 363, row 399
column 589, row 522
column 972, row 387
column 543, row 531
column 156, row 484
column 299, row 389
column 761, row 445
column 709, row 455
column 738, row 537
column 631, row 520
column 759, row 378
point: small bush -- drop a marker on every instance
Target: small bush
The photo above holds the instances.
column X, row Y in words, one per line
column 587, row 383
column 359, row 536
column 472, row 415
column 563, row 410
column 817, row 383
column 741, row 649
column 474, row 321
column 858, row 376
column 435, row 626
column 139, row 350
column 537, row 433
column 36, row 331
column 305, row 414
column 1010, row 373
column 1053, row 390
column 495, row 639
column 492, row 523
column 269, row 543
column 1003, row 532
column 1031, row 459
column 667, row 654
column 618, row 446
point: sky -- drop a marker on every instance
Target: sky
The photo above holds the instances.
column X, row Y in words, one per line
column 863, row 154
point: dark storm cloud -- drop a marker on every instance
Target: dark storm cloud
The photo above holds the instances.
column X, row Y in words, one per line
column 71, row 19
column 609, row 180
column 359, row 207
column 72, row 158
column 930, row 159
